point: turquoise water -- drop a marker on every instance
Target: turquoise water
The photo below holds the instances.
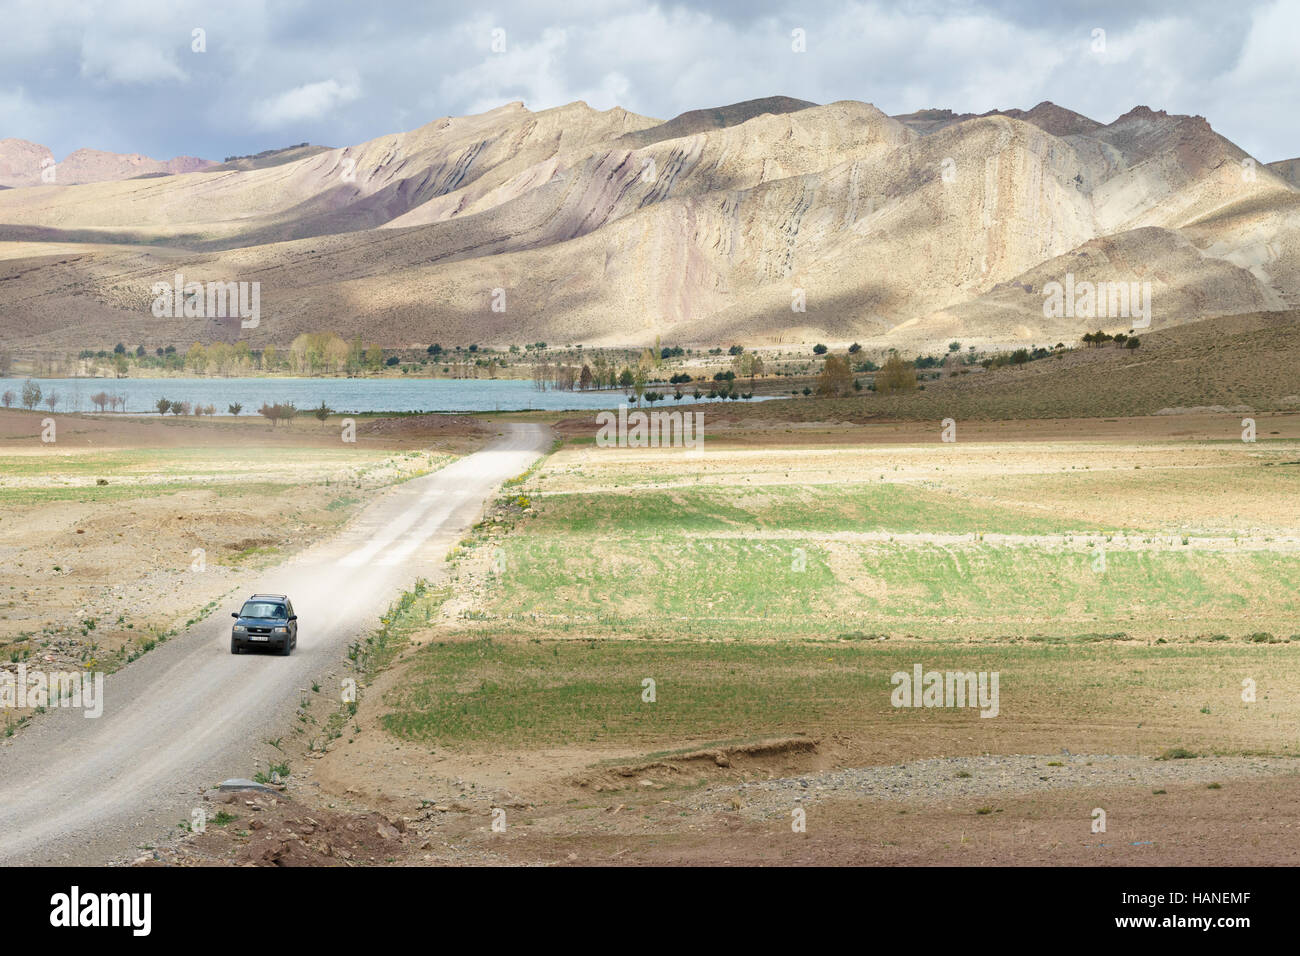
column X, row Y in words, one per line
column 340, row 394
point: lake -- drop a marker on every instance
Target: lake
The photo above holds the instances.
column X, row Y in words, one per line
column 341, row 394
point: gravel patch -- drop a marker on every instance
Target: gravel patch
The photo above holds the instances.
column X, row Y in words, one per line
column 946, row 779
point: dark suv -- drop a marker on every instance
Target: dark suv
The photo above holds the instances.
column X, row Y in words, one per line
column 266, row 620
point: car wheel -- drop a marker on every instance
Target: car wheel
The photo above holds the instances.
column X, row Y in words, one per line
column 234, row 648
column 287, row 649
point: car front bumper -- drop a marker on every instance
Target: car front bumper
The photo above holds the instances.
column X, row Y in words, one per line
column 278, row 641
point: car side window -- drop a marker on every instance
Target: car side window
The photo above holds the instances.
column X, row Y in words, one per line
column 289, row 605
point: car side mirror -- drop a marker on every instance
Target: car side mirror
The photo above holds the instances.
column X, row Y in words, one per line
column 293, row 617
column 234, row 614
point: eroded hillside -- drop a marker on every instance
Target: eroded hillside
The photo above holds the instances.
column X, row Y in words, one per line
column 772, row 221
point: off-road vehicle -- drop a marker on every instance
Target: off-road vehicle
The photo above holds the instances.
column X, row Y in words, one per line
column 266, row 620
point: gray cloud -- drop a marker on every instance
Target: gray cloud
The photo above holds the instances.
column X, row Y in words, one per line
column 123, row 75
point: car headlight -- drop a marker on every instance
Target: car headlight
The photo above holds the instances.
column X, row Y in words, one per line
column 240, row 629
column 282, row 630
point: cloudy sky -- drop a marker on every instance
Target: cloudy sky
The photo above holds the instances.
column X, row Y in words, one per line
column 125, row 75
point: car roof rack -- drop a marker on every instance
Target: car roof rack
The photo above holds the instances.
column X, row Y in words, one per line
column 276, row 597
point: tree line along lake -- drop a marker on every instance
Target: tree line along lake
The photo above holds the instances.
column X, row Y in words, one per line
column 356, row 395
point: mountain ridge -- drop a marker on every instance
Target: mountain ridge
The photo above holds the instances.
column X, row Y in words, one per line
column 607, row 227
column 23, row 163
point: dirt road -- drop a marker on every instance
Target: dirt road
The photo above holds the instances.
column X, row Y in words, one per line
column 189, row 714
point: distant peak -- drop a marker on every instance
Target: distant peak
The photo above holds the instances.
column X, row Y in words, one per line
column 14, row 141
column 514, row 106
column 1148, row 115
column 714, row 118
column 1143, row 112
column 1051, row 118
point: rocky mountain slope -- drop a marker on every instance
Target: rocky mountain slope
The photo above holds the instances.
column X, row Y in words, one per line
column 768, row 221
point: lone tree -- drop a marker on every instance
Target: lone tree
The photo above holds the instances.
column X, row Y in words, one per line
column 638, row 383
column 163, row 405
column 279, row 412
column 31, row 394
column 235, row 408
column 895, row 376
column 836, row 379
column 323, row 412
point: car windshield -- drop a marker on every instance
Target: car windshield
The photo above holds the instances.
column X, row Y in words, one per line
column 263, row 609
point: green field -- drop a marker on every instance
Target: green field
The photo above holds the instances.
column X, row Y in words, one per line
column 762, row 606
column 159, row 461
column 821, row 508
column 522, row 694
column 225, row 471
column 782, row 562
